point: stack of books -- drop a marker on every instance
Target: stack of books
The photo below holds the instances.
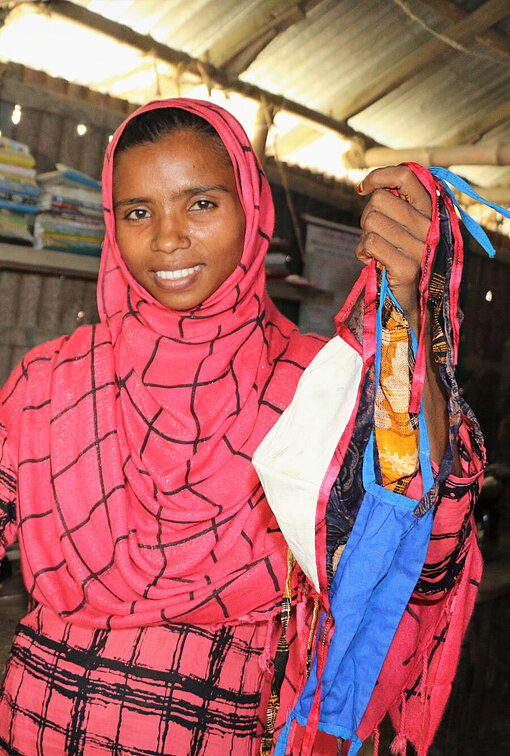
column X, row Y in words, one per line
column 18, row 191
column 70, row 212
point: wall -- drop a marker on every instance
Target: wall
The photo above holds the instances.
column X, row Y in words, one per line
column 51, row 110
column 484, row 369
column 38, row 307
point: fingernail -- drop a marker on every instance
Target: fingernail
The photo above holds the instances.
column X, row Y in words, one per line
column 359, row 188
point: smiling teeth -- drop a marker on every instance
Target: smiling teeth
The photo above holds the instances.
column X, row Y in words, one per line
column 174, row 275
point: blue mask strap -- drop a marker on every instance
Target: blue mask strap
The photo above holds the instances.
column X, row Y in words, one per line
column 447, row 177
column 424, row 446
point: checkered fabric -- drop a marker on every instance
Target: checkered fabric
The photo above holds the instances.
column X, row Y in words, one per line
column 168, row 689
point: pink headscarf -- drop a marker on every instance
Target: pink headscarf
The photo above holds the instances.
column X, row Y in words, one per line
column 143, row 504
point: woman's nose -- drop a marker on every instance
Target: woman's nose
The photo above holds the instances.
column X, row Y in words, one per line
column 170, row 233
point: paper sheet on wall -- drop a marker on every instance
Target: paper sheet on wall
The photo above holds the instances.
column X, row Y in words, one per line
column 332, row 266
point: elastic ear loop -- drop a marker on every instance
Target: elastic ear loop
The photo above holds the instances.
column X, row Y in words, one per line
column 424, row 444
column 472, row 226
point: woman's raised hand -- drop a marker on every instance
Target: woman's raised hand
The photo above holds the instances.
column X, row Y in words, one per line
column 394, row 228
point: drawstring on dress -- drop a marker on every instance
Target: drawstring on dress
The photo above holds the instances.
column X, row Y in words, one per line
column 399, row 744
column 280, row 661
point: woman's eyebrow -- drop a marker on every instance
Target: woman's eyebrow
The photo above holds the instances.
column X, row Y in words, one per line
column 189, row 192
column 200, row 189
column 130, row 201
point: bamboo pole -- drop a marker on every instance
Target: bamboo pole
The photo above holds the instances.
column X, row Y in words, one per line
column 467, row 154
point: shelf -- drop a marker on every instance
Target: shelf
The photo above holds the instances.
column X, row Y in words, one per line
column 20, row 257
column 281, row 289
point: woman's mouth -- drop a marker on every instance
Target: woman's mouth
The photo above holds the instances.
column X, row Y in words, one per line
column 175, row 275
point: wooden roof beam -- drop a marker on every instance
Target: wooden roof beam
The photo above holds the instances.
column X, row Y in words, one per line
column 429, row 56
column 493, row 39
column 240, row 45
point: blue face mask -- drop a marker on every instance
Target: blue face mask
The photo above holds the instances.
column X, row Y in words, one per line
column 377, row 573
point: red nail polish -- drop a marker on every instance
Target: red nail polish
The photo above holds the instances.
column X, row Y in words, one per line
column 359, row 188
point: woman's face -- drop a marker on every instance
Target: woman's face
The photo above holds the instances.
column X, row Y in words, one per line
column 179, row 222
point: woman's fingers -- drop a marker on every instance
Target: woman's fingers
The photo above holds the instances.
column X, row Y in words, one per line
column 385, row 204
column 403, row 265
column 401, row 179
column 394, row 228
column 401, row 237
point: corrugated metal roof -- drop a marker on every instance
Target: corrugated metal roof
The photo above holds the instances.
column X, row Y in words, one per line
column 193, row 27
column 335, row 50
column 434, row 107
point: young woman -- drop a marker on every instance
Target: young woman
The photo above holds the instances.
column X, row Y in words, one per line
column 154, row 565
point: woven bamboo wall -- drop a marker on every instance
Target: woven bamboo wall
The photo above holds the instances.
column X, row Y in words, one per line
column 51, row 110
column 38, row 307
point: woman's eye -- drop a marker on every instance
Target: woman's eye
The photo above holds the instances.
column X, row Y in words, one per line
column 139, row 213
column 203, row 204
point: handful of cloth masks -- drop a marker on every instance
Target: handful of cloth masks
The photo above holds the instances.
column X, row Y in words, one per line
column 299, row 460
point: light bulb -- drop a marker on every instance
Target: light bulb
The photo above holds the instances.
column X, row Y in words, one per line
column 16, row 114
